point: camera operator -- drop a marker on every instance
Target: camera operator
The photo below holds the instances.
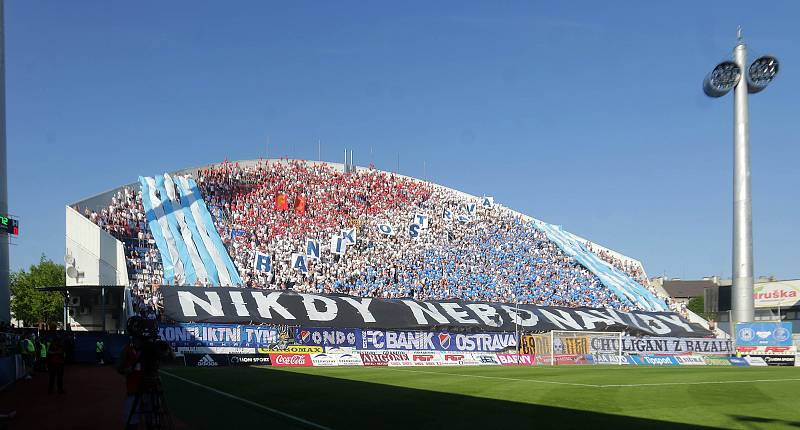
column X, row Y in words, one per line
column 139, row 363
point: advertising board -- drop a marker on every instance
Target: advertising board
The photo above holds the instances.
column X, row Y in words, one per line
column 282, row 359
column 206, row 360
column 690, row 360
column 382, row 358
column 736, row 361
column 248, row 360
column 714, row 360
column 755, row 361
column 516, row 359
column 767, row 350
column 655, row 360
column 777, row 360
column 764, row 334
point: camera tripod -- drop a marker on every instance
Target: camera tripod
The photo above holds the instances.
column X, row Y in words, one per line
column 150, row 405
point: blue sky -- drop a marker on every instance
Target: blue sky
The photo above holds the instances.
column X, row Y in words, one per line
column 585, row 114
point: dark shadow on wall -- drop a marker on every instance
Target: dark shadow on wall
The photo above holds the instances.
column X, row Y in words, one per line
column 346, row 404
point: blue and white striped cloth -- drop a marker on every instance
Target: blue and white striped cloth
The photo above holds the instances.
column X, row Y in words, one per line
column 626, row 289
column 190, row 247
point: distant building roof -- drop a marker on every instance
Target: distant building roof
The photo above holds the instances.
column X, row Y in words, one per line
column 687, row 288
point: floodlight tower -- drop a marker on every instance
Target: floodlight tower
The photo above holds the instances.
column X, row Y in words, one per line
column 727, row 75
column 5, row 281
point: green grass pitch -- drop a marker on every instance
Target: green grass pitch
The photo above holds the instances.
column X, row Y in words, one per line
column 485, row 397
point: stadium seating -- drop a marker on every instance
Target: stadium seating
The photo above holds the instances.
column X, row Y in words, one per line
column 482, row 252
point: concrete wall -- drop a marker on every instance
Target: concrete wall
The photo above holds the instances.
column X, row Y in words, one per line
column 100, row 260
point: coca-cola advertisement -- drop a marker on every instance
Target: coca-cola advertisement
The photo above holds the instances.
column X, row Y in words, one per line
column 290, row 360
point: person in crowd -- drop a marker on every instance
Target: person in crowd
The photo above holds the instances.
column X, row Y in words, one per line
column 41, row 356
column 56, row 358
column 28, row 351
column 99, row 351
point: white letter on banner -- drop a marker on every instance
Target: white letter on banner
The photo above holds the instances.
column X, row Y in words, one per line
column 419, row 312
column 514, row 313
column 488, row 202
column 362, row 307
column 312, row 249
column 675, row 319
column 338, row 245
column 299, row 263
column 239, row 304
column 386, row 229
column 264, row 304
column 262, row 262
column 561, row 321
column 413, row 231
column 589, row 320
column 331, row 308
column 654, row 324
column 487, row 313
column 421, row 219
column 349, row 236
column 188, row 300
column 458, row 314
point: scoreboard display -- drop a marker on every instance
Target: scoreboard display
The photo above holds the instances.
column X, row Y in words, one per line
column 9, row 225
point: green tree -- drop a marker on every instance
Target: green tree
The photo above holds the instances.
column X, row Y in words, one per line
column 697, row 305
column 34, row 307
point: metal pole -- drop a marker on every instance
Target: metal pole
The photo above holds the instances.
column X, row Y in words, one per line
column 742, row 200
column 5, row 294
column 103, row 305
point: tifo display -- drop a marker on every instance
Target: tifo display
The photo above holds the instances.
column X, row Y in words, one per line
column 315, row 228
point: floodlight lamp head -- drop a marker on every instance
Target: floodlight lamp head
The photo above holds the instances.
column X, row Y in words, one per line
column 761, row 72
column 722, row 79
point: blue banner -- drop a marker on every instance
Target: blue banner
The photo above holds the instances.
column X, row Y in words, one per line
column 437, row 341
column 655, row 360
column 328, row 337
column 738, row 361
column 764, row 334
column 221, row 335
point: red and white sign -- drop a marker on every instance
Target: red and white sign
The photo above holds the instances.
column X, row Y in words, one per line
column 427, row 358
column 282, row 359
column 370, row 358
column 515, row 359
column 767, row 350
column 783, row 294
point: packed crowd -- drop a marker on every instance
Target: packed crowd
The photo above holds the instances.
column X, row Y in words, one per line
column 272, row 207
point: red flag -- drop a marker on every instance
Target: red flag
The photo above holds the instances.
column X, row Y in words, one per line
column 281, row 202
column 300, row 204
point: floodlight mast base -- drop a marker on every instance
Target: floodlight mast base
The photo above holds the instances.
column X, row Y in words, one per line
column 742, row 200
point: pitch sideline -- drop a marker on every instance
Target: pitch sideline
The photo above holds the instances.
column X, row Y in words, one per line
column 249, row 402
column 578, row 384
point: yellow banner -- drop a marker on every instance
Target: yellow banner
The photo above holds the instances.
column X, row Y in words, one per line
column 297, row 349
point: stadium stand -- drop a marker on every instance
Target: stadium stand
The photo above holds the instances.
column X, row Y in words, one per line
column 470, row 248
